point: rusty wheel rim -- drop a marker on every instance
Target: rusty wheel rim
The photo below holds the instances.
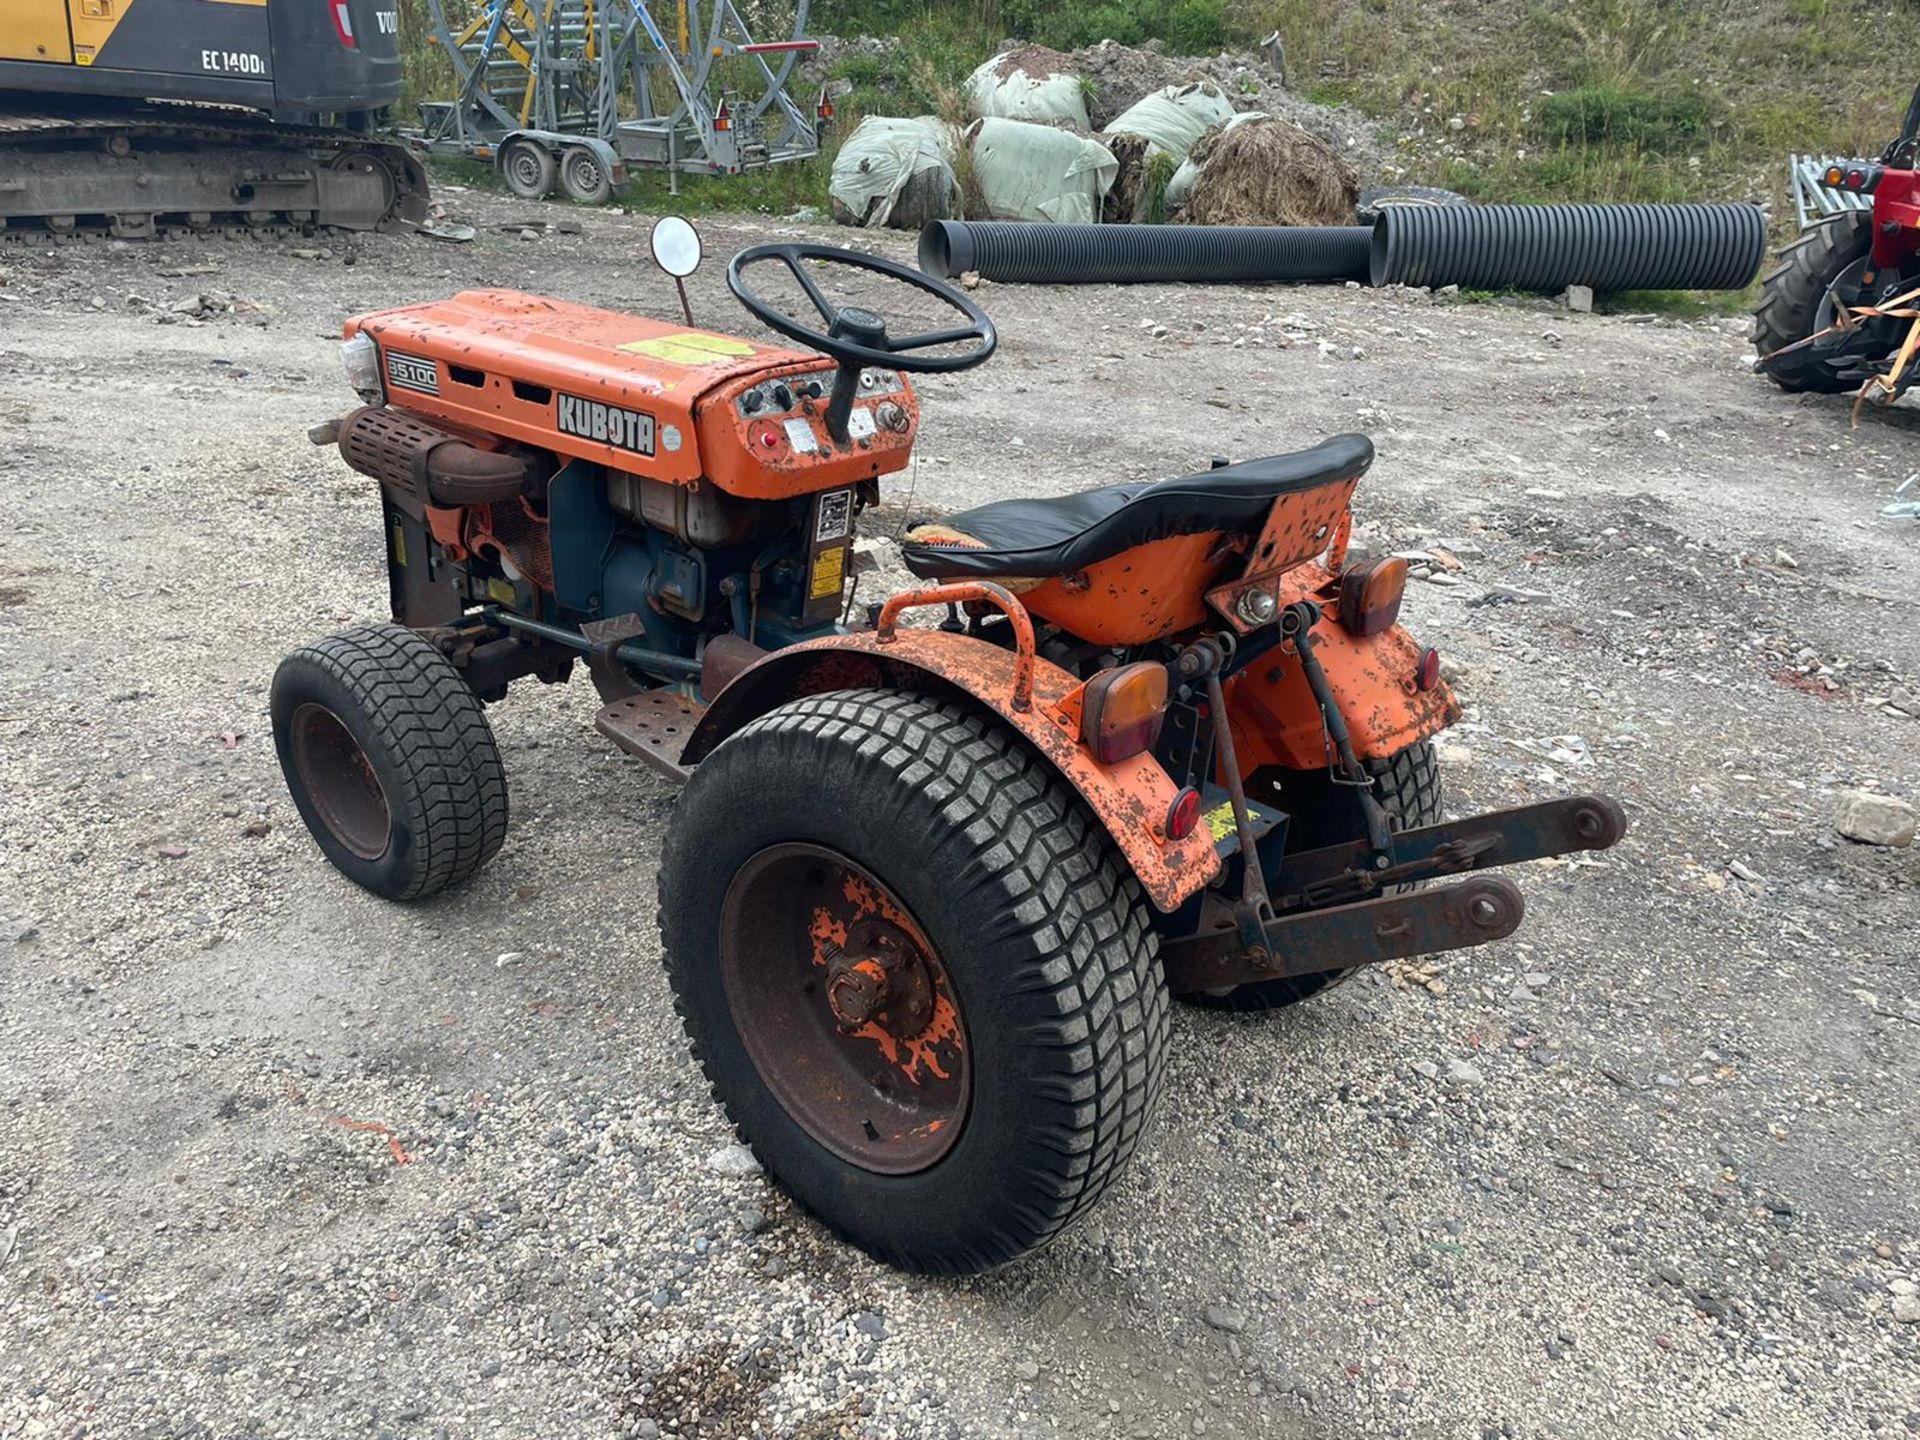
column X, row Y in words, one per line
column 340, row 781
column 845, row 1008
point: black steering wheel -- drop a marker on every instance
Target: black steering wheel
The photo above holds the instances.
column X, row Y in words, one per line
column 855, row 337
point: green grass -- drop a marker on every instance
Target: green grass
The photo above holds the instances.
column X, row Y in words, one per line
column 1601, row 99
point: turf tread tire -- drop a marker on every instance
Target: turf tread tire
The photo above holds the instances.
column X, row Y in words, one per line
column 423, row 728
column 1059, row 979
column 1407, row 784
column 1792, row 292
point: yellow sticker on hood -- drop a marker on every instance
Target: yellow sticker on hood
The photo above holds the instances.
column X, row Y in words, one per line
column 690, row 347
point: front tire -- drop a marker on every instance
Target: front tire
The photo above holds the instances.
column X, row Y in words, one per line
column 1319, row 812
column 390, row 760
column 1794, row 305
column 999, row 1084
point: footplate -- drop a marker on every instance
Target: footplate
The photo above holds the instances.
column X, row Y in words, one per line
column 1449, row 917
column 654, row 725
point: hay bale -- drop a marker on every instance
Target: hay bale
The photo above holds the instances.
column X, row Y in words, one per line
column 1126, row 202
column 1030, row 83
column 1269, row 172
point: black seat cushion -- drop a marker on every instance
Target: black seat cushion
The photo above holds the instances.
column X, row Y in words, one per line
column 1057, row 536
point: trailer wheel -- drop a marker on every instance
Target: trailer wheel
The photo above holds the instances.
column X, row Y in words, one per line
column 390, row 760
column 1322, row 813
column 1795, row 303
column 528, row 168
column 916, row 974
column 583, row 177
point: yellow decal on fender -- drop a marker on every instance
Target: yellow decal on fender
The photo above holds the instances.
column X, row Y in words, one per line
column 1219, row 821
column 501, row 591
column 690, row 347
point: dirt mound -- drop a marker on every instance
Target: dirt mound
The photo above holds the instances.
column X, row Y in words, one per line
column 1120, row 75
column 1269, row 172
column 1037, row 60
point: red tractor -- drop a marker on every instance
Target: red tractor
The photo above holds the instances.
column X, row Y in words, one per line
column 927, row 891
column 1839, row 311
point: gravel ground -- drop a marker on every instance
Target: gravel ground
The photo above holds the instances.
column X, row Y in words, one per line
column 278, row 1159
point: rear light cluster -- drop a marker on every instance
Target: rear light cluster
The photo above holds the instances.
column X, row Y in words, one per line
column 1122, row 710
column 342, row 13
column 1861, row 176
column 1370, row 595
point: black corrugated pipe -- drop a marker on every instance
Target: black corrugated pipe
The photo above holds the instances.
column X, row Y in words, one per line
column 1124, row 254
column 1549, row 247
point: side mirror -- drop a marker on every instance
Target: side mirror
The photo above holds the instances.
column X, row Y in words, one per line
column 675, row 245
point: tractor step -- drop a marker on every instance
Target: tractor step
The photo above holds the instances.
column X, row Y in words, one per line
column 654, row 725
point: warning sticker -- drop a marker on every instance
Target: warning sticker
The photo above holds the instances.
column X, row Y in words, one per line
column 1219, row 821
column 829, row 573
column 836, row 515
column 690, row 347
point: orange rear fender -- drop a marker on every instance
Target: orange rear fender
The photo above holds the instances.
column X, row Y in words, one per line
column 1276, row 721
column 1132, row 799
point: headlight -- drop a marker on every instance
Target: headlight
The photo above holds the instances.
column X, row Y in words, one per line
column 361, row 357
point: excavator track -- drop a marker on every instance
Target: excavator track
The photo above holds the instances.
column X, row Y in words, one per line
column 86, row 170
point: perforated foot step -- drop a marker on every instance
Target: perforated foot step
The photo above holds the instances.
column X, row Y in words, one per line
column 655, row 726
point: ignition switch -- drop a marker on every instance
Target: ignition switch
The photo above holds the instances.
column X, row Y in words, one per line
column 891, row 417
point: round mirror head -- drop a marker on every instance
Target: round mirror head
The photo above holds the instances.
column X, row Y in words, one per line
column 676, row 246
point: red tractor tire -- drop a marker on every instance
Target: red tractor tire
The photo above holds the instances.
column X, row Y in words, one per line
column 1794, row 295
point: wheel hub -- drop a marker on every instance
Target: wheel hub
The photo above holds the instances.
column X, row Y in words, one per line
column 845, row 1008
column 880, row 978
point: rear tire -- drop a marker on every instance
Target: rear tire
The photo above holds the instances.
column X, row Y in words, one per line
column 1795, row 290
column 1034, row 927
column 528, row 168
column 1322, row 813
column 390, row 760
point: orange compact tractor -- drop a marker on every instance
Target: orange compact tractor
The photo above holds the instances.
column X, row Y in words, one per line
column 928, row 888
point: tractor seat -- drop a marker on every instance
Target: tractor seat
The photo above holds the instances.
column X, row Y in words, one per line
column 1057, row 536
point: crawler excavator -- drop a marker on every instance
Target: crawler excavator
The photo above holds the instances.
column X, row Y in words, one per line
column 136, row 118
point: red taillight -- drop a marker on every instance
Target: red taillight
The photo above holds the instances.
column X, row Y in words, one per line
column 1121, row 710
column 723, row 117
column 1183, row 814
column 825, row 108
column 342, row 13
column 1370, row 595
column 1426, row 675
